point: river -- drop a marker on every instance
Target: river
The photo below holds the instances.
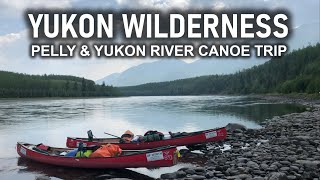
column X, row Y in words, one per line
column 50, row 121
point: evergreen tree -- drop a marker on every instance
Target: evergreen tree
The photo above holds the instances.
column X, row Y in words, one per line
column 296, row 72
column 23, row 85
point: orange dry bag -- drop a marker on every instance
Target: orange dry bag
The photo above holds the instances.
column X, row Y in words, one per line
column 109, row 150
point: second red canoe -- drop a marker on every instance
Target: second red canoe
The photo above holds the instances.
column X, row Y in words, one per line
column 193, row 138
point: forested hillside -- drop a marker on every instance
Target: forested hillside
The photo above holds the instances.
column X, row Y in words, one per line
column 22, row 85
column 296, row 72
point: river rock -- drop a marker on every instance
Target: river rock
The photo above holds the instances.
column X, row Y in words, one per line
column 277, row 176
column 248, row 154
column 287, row 147
column 291, row 158
column 168, row 176
column 190, row 171
column 302, row 138
column 240, row 176
column 277, row 164
column 220, row 175
column 284, row 162
column 181, row 174
column 257, row 178
column 199, row 169
column 304, row 143
column 264, row 166
column 242, row 160
column 238, row 132
column 310, row 164
column 290, row 177
column 209, row 174
column 43, row 178
column 284, row 169
column 237, row 144
column 233, row 126
column 197, row 177
column 183, row 169
column 250, row 131
column 253, row 165
column 257, row 172
column 294, row 168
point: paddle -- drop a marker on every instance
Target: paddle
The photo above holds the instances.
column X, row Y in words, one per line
column 112, row 135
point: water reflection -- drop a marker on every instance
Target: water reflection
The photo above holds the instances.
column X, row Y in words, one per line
column 257, row 112
column 74, row 173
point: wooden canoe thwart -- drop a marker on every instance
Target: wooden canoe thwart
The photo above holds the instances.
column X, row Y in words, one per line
column 151, row 158
column 191, row 138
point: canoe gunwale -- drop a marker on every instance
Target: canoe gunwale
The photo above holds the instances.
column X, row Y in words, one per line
column 96, row 140
column 138, row 152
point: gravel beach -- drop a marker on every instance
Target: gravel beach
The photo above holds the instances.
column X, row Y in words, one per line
column 287, row 147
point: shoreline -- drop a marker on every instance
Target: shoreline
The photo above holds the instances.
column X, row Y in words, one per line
column 287, row 147
column 293, row 99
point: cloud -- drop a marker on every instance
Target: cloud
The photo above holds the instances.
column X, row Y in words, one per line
column 11, row 12
column 13, row 46
column 219, row 6
column 183, row 4
column 22, row 5
column 155, row 4
column 9, row 38
column 301, row 12
column 14, row 42
column 14, row 57
column 108, row 4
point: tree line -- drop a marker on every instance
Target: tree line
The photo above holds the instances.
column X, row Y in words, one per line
column 296, row 72
column 17, row 85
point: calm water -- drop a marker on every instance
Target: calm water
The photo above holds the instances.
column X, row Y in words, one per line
column 50, row 121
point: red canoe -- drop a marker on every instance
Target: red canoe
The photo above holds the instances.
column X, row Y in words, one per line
column 160, row 157
column 193, row 138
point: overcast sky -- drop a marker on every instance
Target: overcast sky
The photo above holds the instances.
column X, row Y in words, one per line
column 14, row 43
